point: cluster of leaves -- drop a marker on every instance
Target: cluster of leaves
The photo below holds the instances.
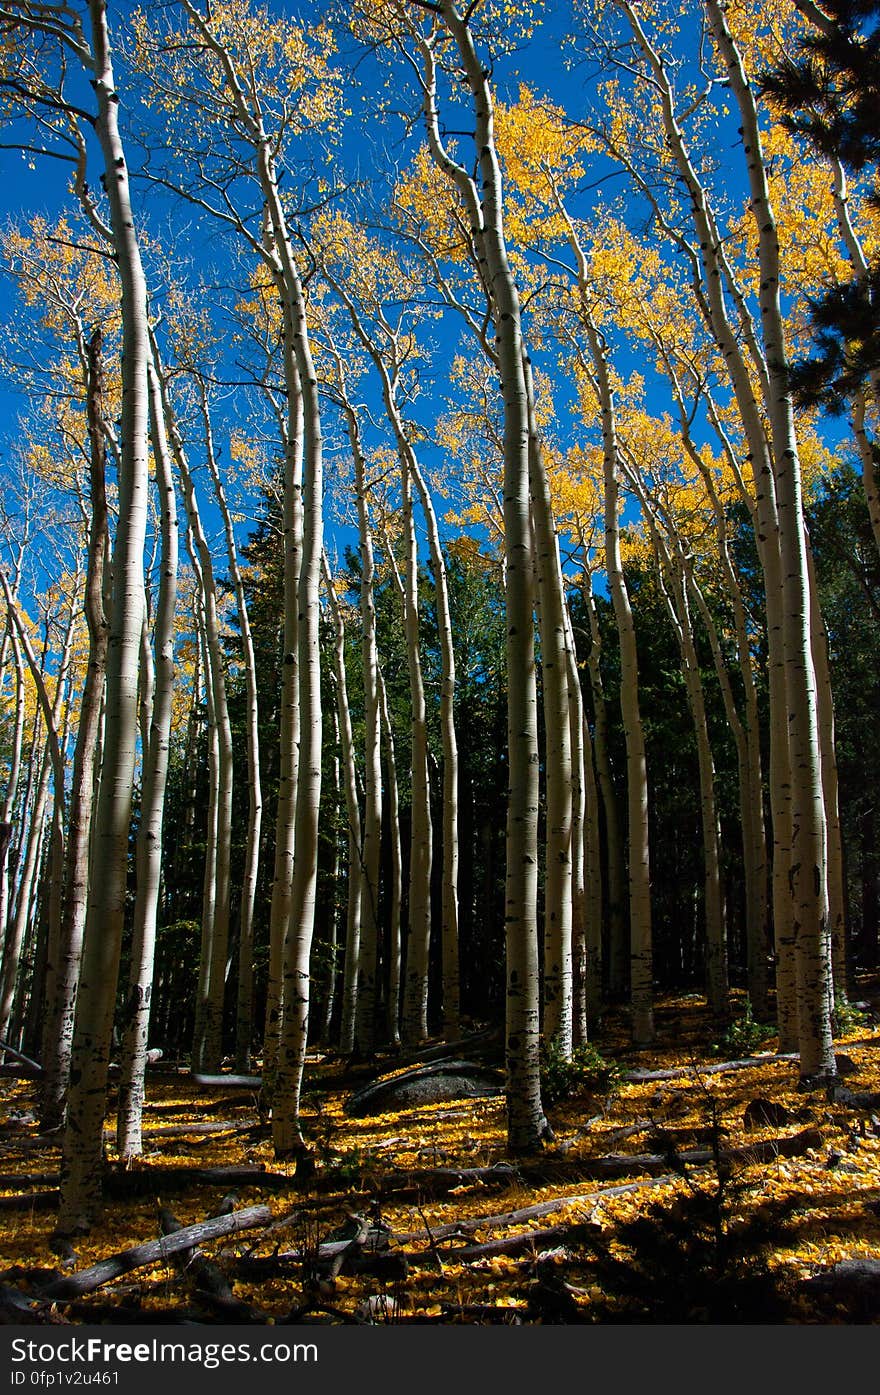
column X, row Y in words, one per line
column 585, row 1071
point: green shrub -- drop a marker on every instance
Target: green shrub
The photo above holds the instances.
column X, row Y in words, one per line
column 847, row 1017
column 585, row 1070
column 744, row 1035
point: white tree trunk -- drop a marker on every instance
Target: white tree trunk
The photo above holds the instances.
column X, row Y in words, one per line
column 60, row 1013
column 82, row 1153
column 155, row 774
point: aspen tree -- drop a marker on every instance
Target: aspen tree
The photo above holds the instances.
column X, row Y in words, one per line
column 244, row 1003
column 673, row 589
column 359, row 983
column 414, row 1013
column 484, row 208
column 356, row 872
column 60, row 1014
column 807, row 883
column 155, row 773
column 83, row 1141
column 208, row 1036
column 387, row 347
column 52, row 710
column 723, row 307
column 396, row 888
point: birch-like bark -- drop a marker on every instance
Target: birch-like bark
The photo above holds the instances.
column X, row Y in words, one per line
column 485, row 210
column 808, row 886
column 356, row 878
column 557, row 1023
column 9, row 796
column 53, row 765
column 618, row 955
column 712, row 274
column 286, row 1129
column 387, row 363
column 288, row 740
column 395, row 889
column 359, row 1017
column 82, row 1152
column 415, row 997
column 155, row 774
column 208, row 1042
column 641, row 957
column 586, row 874
column 244, row 1000
column 209, row 883
column 834, row 872
column 60, row 1013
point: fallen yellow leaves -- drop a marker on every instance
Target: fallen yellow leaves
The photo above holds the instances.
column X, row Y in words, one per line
column 829, row 1186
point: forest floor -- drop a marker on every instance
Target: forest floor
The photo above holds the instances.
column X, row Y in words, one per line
column 678, row 1189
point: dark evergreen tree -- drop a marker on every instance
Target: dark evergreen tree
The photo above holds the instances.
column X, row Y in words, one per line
column 829, row 91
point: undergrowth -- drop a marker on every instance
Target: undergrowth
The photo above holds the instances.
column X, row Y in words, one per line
column 585, row 1071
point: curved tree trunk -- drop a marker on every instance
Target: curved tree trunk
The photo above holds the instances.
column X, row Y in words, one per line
column 526, row 1123
column 82, row 1153
column 808, row 887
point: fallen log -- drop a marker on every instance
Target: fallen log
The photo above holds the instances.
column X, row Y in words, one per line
column 28, row 1201
column 445, row 1179
column 27, row 1179
column 203, row 1127
column 226, row 1082
column 153, row 1251
column 528, row 1213
column 21, row 1058
column 638, row 1077
column 162, row 1177
column 620, row 1164
column 524, row 1242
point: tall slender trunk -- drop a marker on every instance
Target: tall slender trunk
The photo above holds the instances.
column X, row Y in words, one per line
column 618, row 957
column 52, row 766
column 395, row 890
column 208, row 1043
column 82, row 1152
column 209, row 881
column 558, row 759
column 526, row 1123
column 286, row 1129
column 288, row 740
column 808, row 887
column 60, row 1013
column 415, row 1001
column 356, row 878
column 641, row 957
column 9, row 797
column 712, row 274
column 250, row 872
column 155, row 775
